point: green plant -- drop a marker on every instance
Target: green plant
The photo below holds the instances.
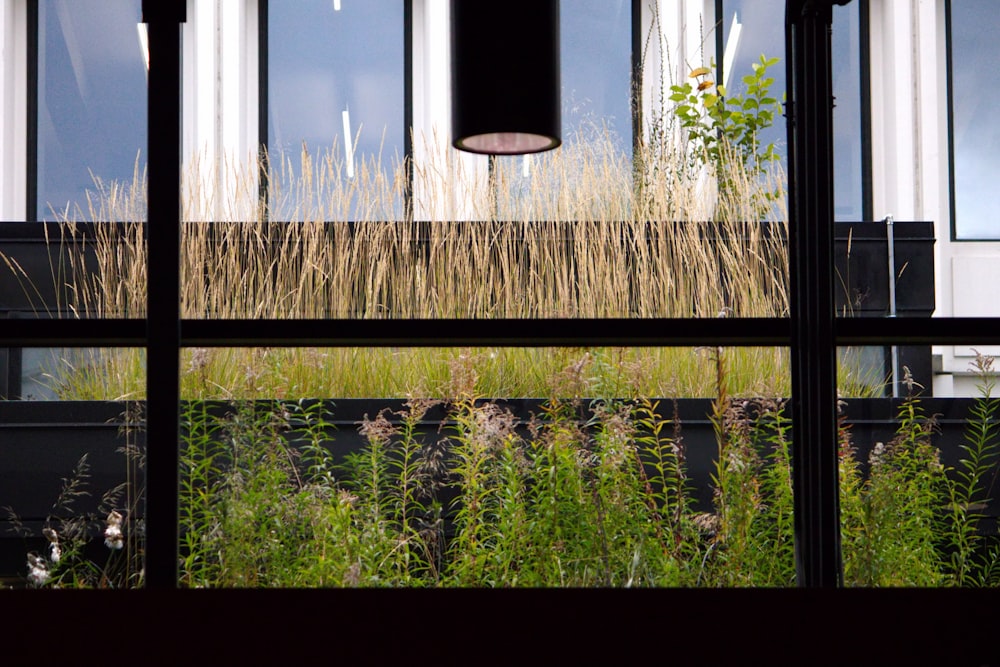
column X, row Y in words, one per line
column 751, row 533
column 585, row 494
column 890, row 519
column 717, row 122
column 972, row 560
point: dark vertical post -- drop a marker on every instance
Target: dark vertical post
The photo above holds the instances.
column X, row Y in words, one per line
column 813, row 352
column 263, row 100
column 31, row 133
column 163, row 19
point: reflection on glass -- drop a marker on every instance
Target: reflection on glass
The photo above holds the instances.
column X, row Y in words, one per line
column 91, row 106
column 83, row 374
column 761, row 32
column 863, row 371
column 975, row 51
column 335, row 96
column 596, row 47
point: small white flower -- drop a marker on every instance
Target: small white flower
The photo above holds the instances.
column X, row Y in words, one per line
column 38, row 570
column 55, row 552
column 113, row 538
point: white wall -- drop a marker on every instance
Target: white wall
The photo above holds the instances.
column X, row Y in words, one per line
column 910, row 163
column 13, row 109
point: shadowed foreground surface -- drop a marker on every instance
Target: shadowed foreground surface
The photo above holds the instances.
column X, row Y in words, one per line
column 504, row 627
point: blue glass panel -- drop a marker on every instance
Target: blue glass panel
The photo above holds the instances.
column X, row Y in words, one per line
column 328, row 61
column 91, row 100
column 975, row 53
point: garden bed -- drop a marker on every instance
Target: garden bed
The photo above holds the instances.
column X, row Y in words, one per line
column 43, row 443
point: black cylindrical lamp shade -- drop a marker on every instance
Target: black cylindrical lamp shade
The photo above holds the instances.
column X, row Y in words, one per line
column 505, row 76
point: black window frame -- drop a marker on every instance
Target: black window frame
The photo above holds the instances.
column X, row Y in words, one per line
column 164, row 333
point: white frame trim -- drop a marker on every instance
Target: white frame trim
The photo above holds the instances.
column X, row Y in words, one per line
column 13, row 109
column 220, row 108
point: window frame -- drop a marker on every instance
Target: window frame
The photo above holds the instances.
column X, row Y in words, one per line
column 165, row 332
column 952, row 206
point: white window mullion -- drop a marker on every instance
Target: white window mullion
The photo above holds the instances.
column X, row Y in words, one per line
column 220, row 109
column 443, row 176
column 13, row 109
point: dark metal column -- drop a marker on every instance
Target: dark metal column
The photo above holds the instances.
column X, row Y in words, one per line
column 813, row 347
column 163, row 19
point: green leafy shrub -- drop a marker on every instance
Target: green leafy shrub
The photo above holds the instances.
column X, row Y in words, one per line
column 586, row 493
column 723, row 130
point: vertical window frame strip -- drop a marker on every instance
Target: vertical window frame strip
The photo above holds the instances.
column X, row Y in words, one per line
column 719, row 30
column 263, row 157
column 163, row 317
column 865, row 63
column 635, row 89
column 13, row 388
column 31, row 130
column 950, row 117
column 408, row 207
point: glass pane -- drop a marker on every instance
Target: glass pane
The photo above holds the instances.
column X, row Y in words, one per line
column 336, row 134
column 975, row 131
column 558, row 435
column 596, row 58
column 91, row 110
column 751, row 29
column 848, row 185
column 83, row 374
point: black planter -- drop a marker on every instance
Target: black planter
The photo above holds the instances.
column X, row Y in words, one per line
column 862, row 257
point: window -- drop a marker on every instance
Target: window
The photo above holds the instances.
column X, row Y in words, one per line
column 336, row 104
column 596, row 62
column 89, row 138
column 751, row 28
column 632, row 330
column 91, row 103
column 975, row 132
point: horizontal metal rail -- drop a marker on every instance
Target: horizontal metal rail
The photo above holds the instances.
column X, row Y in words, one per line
column 595, row 332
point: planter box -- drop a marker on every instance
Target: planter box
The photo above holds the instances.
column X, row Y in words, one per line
column 861, row 257
column 41, row 442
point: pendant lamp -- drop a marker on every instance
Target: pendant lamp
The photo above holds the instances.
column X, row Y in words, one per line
column 505, row 76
